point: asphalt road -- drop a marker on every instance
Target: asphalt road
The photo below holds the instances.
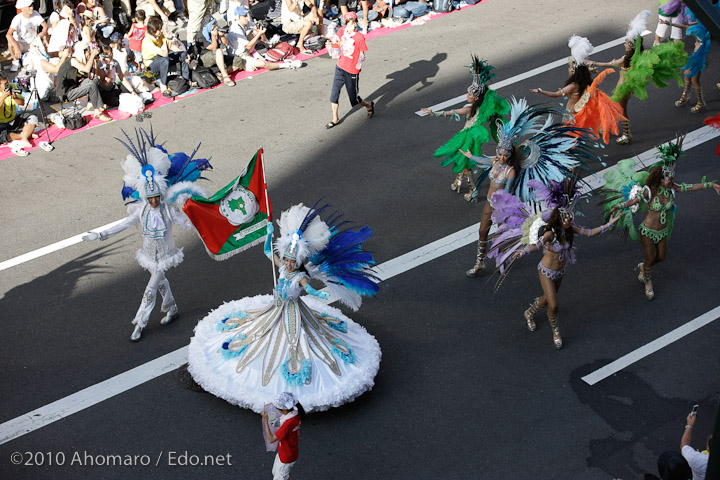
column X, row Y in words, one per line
column 464, row 390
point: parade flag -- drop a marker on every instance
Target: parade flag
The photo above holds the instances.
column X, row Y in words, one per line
column 236, row 217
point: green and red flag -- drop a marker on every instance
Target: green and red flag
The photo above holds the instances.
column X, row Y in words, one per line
column 236, row 217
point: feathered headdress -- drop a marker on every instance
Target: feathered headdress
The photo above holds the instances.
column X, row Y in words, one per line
column 150, row 171
column 562, row 195
column 668, row 155
column 637, row 26
column 334, row 255
column 302, row 233
column 554, row 148
column 523, row 121
column 580, row 49
column 481, row 73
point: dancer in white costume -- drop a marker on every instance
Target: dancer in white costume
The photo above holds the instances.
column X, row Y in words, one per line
column 156, row 184
column 248, row 351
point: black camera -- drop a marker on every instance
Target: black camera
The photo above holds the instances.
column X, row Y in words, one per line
column 221, row 25
column 259, row 24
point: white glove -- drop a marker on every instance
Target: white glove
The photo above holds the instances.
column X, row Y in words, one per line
column 90, row 236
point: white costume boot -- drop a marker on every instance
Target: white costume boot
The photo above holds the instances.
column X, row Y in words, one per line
column 143, row 314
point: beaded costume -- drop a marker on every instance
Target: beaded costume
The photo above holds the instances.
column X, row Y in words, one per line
column 151, row 172
column 477, row 130
column 248, row 351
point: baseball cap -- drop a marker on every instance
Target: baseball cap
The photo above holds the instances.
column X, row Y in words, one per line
column 23, row 3
column 241, row 11
column 350, row 15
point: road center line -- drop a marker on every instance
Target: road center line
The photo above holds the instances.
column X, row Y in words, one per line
column 99, row 392
column 613, row 367
column 524, row 75
column 497, row 85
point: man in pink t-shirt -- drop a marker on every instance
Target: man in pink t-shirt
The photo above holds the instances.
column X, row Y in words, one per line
column 347, row 71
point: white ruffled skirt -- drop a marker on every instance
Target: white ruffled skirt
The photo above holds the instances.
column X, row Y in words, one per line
column 248, row 351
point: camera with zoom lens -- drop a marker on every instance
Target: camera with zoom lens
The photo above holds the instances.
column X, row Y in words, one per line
column 260, row 24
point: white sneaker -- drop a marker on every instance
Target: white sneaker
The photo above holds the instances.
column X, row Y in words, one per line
column 293, row 64
column 274, row 40
column 15, row 66
column 58, row 120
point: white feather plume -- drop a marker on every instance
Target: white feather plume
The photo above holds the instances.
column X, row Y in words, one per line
column 580, row 48
column 637, row 25
column 313, row 239
column 133, row 170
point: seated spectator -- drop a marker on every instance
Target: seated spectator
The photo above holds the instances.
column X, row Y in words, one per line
column 294, row 22
column 153, row 8
column 410, row 9
column 158, row 55
column 212, row 41
column 15, row 128
column 46, row 69
column 69, row 87
column 137, row 34
column 87, row 32
column 64, row 35
column 240, row 46
column 23, row 30
column 698, row 461
column 112, row 80
column 64, row 10
column 365, row 13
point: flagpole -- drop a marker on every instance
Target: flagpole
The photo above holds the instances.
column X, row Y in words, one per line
column 267, row 207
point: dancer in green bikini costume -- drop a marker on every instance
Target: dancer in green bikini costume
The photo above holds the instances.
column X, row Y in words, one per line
column 653, row 191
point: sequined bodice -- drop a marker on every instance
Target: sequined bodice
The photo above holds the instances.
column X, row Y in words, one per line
column 564, row 250
column 655, row 205
column 499, row 173
column 289, row 283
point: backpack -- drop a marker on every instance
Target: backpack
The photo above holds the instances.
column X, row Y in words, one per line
column 281, row 51
column 178, row 85
column 122, row 22
column 442, row 6
column 204, row 77
column 315, row 43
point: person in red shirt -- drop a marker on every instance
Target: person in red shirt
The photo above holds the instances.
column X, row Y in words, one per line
column 347, row 71
column 288, row 434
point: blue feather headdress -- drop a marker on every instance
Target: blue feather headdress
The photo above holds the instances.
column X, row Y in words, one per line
column 173, row 174
column 333, row 249
column 553, row 150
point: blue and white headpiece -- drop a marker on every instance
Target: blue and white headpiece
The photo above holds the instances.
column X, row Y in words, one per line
column 302, row 233
column 151, row 187
column 150, row 171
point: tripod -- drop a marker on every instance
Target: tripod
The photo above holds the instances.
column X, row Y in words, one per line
column 47, row 146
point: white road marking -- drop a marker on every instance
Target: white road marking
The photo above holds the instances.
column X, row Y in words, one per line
column 90, row 396
column 524, row 76
column 652, row 347
column 26, row 257
column 95, row 394
column 503, row 83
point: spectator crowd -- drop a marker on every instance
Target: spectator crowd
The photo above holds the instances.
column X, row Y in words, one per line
column 118, row 53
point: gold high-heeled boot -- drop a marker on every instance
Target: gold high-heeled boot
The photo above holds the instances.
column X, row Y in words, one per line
column 479, row 260
column 647, row 280
column 685, row 97
column 530, row 312
column 471, row 185
column 626, row 138
column 455, row 186
column 700, row 101
column 555, row 324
